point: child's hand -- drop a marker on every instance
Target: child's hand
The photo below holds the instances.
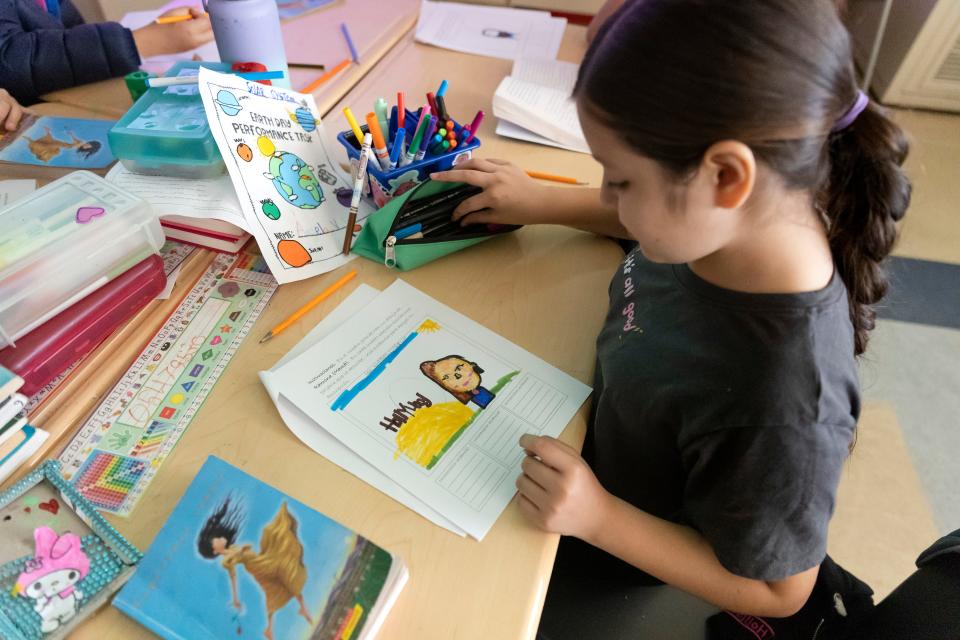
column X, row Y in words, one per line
column 10, row 111
column 159, row 39
column 509, row 195
column 558, row 491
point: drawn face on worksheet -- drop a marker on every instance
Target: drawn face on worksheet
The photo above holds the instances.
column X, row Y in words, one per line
column 457, row 374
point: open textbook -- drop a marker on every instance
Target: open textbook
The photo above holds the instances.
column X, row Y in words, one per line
column 534, row 103
column 431, row 400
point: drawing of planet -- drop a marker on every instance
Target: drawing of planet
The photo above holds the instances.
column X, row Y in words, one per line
column 305, row 119
column 344, row 195
column 228, row 289
column 270, row 209
column 245, row 152
column 228, row 103
column 266, row 146
column 293, row 253
column 294, row 180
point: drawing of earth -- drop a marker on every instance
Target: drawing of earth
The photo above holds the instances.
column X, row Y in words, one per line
column 228, row 103
column 294, row 180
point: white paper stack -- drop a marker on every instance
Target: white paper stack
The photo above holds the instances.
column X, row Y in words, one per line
column 534, row 104
column 498, row 32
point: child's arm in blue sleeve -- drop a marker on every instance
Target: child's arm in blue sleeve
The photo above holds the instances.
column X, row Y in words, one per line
column 34, row 62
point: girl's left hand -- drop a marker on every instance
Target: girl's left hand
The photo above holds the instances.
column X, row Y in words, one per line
column 558, row 491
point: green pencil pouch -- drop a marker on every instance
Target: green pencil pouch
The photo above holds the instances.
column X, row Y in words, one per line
column 377, row 240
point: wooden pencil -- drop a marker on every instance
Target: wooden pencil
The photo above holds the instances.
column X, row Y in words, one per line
column 329, row 74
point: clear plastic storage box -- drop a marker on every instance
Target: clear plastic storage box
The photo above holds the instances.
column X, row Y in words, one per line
column 65, row 241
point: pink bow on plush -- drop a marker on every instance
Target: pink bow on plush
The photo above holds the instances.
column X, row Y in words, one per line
column 54, row 553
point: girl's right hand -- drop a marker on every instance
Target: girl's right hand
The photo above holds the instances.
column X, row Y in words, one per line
column 509, row 195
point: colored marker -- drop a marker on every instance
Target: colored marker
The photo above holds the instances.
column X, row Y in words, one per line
column 348, row 114
column 442, row 90
column 477, row 119
column 406, row 232
column 401, row 110
column 442, row 108
column 396, row 151
column 346, row 36
column 357, row 191
column 431, row 125
column 411, row 153
column 392, row 128
column 432, row 101
column 380, row 108
column 449, row 125
column 379, row 145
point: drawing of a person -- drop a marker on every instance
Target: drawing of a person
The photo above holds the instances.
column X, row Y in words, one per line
column 46, row 147
column 460, row 377
column 278, row 568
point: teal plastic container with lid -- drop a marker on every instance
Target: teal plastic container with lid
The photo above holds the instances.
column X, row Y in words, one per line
column 165, row 132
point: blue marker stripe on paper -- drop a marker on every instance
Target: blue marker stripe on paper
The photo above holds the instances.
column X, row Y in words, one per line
column 347, row 396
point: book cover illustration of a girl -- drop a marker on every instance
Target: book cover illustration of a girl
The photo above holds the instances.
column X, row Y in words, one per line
column 278, row 567
column 460, row 377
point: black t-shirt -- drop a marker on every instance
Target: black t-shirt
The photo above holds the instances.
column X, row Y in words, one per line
column 730, row 412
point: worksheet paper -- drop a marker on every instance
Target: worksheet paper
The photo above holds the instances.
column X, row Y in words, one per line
column 187, row 197
column 294, row 195
column 317, row 438
column 433, row 400
column 498, row 32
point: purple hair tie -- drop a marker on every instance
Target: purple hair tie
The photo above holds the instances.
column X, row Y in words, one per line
column 855, row 110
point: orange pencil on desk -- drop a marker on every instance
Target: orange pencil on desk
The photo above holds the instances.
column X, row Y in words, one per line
column 539, row 175
column 181, row 18
column 329, row 74
column 329, row 291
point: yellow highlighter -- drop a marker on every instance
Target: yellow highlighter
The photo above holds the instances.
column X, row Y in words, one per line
column 353, row 124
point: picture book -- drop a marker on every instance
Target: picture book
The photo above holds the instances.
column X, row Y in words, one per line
column 59, row 143
column 294, row 195
column 59, row 559
column 239, row 559
column 9, row 383
column 433, row 400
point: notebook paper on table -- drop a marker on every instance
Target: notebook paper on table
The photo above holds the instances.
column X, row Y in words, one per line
column 312, row 433
column 433, row 400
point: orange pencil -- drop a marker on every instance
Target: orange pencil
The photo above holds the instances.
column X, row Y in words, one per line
column 329, row 74
column 549, row 176
column 329, row 291
column 172, row 19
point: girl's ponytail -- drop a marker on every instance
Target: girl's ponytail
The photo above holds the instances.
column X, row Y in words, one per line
column 866, row 194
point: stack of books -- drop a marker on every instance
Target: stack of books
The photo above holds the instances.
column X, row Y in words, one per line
column 18, row 440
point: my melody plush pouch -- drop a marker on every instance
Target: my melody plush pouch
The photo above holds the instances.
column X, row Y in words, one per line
column 415, row 228
column 60, row 559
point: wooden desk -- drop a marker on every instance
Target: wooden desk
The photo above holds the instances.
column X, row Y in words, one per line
column 544, row 288
column 111, row 98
